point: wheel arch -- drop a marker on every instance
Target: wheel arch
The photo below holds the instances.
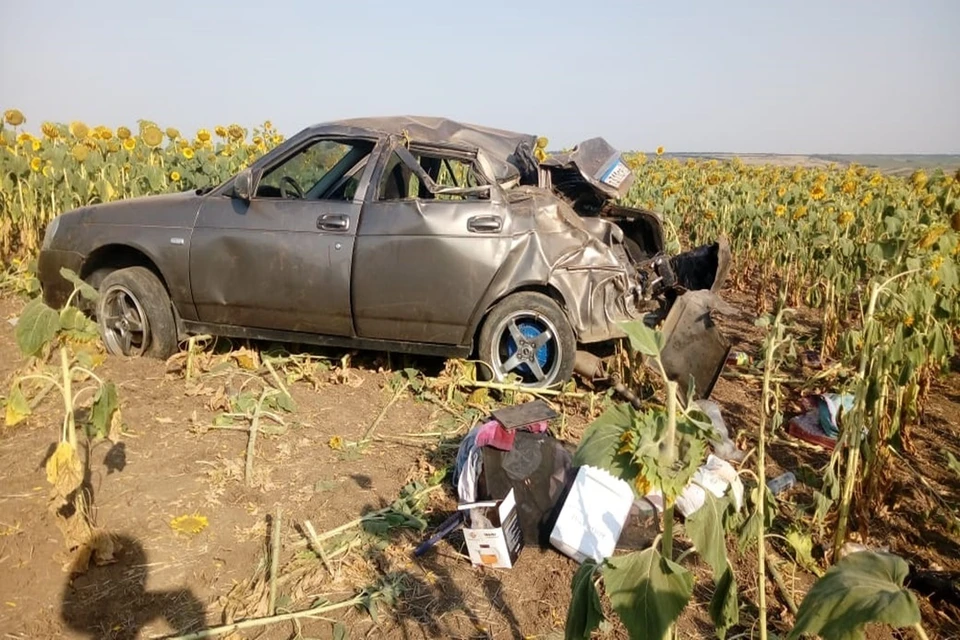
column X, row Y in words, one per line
column 111, row 257
column 545, row 288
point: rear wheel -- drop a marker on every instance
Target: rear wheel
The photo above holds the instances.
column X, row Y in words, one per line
column 135, row 315
column 528, row 335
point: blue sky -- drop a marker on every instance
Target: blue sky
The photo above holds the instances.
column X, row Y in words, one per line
column 840, row 76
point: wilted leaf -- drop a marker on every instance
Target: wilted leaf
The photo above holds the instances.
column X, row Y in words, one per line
column 642, row 338
column 705, row 528
column 648, row 592
column 84, row 289
column 38, row 324
column 724, row 605
column 863, row 587
column 64, row 470
column 246, row 359
column 585, row 613
column 340, row 631
column 104, row 407
column 802, row 546
column 17, row 406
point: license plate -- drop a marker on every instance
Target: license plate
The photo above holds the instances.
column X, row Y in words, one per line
column 616, row 174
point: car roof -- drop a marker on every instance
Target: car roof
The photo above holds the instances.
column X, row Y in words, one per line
column 498, row 145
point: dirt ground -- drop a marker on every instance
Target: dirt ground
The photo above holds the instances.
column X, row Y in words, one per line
column 164, row 581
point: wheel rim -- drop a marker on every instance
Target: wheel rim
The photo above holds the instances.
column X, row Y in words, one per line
column 125, row 327
column 527, row 344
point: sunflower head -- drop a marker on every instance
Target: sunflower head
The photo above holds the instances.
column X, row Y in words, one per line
column 50, row 130
column 660, row 151
column 175, row 176
column 817, row 192
column 35, row 164
column 14, row 117
column 172, row 133
column 203, row 135
column 848, row 186
column 780, row 210
column 35, row 144
column 194, row 523
column 800, row 213
column 919, row 179
column 79, row 152
column 78, row 129
column 129, row 144
column 845, row 218
column 123, row 133
column 188, row 153
column 152, row 136
column 236, row 132
column 220, row 130
column 104, row 133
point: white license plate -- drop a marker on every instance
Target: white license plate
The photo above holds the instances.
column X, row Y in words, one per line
column 616, row 174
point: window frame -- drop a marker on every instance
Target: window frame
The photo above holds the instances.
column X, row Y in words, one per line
column 368, row 162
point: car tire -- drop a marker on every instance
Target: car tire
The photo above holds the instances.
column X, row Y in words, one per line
column 527, row 334
column 135, row 315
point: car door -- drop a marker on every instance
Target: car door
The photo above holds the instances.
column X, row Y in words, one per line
column 281, row 260
column 432, row 236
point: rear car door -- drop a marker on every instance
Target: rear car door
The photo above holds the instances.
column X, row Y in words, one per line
column 432, row 236
column 282, row 259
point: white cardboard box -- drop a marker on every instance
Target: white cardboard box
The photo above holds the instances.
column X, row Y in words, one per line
column 491, row 529
column 592, row 516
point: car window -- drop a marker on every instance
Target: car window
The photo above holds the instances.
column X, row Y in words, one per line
column 400, row 182
column 317, row 172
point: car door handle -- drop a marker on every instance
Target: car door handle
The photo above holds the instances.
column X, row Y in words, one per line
column 485, row 224
column 332, row 222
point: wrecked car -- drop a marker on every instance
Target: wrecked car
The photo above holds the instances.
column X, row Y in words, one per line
column 405, row 234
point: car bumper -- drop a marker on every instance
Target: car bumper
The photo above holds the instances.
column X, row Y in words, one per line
column 56, row 288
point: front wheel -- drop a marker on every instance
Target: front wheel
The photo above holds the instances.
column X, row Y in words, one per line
column 527, row 335
column 135, row 315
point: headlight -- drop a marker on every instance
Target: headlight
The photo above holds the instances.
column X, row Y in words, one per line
column 50, row 233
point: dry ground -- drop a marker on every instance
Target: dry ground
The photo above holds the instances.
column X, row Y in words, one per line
column 164, row 580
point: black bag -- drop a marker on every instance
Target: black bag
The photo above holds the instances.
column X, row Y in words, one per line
column 538, row 469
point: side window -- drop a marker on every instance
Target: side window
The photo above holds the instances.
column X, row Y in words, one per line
column 447, row 179
column 323, row 170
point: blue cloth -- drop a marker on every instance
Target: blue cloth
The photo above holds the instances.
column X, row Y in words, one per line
column 830, row 405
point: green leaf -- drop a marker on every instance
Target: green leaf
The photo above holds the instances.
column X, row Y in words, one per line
column 863, row 587
column 17, row 408
column 585, row 613
column 705, row 528
column 601, row 443
column 648, row 592
column 802, row 545
column 77, row 325
column 38, row 325
column 85, row 289
column 642, row 338
column 724, row 605
column 952, row 463
column 340, row 631
column 104, row 406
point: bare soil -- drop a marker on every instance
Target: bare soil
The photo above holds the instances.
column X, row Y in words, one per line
column 164, row 582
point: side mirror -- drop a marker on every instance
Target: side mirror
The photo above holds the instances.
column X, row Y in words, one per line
column 245, row 184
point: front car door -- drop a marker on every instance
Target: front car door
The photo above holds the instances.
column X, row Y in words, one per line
column 282, row 259
column 432, row 235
